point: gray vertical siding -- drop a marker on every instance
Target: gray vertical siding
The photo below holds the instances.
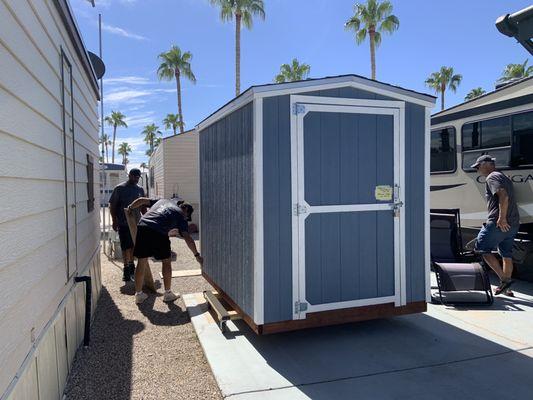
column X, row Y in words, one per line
column 277, row 204
column 226, row 198
column 414, row 200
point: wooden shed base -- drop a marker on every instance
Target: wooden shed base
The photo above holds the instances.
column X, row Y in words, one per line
column 324, row 318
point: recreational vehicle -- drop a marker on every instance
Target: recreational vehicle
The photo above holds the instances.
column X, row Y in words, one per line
column 499, row 123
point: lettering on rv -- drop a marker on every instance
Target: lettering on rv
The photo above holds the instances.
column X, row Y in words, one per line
column 519, row 178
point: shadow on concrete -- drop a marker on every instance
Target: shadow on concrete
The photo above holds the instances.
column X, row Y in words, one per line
column 103, row 370
column 410, row 357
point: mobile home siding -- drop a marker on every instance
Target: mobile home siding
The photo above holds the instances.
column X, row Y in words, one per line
column 157, row 161
column 181, row 166
column 37, row 299
column 278, row 205
column 227, row 204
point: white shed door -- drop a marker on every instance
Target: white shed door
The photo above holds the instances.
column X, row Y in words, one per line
column 347, row 215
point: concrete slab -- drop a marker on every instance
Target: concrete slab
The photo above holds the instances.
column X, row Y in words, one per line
column 443, row 353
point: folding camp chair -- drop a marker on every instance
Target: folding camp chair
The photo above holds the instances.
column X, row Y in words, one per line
column 456, row 269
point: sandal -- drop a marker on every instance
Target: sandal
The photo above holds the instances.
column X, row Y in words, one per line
column 503, row 286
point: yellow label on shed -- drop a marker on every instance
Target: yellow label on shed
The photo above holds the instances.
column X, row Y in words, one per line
column 383, row 193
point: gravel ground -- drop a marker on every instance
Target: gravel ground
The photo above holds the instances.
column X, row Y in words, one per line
column 146, row 352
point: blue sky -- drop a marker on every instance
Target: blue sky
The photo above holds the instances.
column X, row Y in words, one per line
column 432, row 33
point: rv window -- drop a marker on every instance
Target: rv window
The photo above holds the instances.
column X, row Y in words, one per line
column 471, row 136
column 502, row 157
column 443, row 150
column 496, row 132
column 522, row 139
column 487, row 134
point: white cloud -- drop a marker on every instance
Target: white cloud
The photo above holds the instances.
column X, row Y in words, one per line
column 125, row 96
column 122, row 32
column 128, row 80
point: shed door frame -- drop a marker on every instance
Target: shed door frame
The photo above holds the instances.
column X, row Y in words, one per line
column 344, row 105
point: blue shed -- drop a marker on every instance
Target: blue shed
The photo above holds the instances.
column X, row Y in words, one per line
column 315, row 202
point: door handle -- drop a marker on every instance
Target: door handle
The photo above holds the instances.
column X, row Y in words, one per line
column 73, row 206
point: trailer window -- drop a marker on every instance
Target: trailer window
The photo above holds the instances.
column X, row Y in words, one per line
column 486, row 134
column 522, row 139
column 443, row 150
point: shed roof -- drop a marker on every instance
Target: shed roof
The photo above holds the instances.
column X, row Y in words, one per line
column 275, row 89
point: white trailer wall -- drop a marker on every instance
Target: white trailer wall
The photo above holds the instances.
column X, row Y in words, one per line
column 41, row 308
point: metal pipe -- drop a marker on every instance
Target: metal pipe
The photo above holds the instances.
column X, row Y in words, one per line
column 102, row 169
column 88, row 296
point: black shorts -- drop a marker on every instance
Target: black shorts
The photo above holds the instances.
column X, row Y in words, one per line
column 150, row 243
column 124, row 235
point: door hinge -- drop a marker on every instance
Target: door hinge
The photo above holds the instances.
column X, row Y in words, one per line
column 299, row 306
column 298, row 109
column 298, row 209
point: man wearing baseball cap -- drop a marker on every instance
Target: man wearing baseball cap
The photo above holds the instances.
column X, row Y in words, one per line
column 123, row 195
column 502, row 223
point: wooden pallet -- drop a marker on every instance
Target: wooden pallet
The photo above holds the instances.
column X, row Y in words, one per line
column 184, row 272
column 223, row 315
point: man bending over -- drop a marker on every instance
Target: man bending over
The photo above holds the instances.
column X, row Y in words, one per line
column 164, row 218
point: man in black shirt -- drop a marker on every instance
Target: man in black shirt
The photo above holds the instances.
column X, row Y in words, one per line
column 502, row 223
column 123, row 195
column 164, row 218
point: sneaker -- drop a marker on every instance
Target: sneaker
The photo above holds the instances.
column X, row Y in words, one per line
column 508, row 293
column 126, row 273
column 140, row 297
column 169, row 296
column 503, row 286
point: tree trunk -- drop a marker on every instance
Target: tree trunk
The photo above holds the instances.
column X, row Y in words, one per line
column 178, row 87
column 106, row 153
column 442, row 90
column 237, row 54
column 372, row 35
column 174, row 129
column 113, row 149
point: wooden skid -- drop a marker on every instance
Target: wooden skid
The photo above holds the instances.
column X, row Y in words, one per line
column 223, row 315
column 132, row 224
column 185, row 272
column 324, row 318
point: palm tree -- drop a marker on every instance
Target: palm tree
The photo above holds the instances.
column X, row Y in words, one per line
column 173, row 65
column 479, row 91
column 513, row 71
column 150, row 151
column 243, row 11
column 172, row 121
column 292, row 72
column 124, row 149
column 106, row 142
column 150, row 133
column 371, row 19
column 442, row 80
column 115, row 120
column 143, row 166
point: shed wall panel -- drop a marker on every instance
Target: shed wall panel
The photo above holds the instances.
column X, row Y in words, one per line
column 278, row 203
column 226, row 187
